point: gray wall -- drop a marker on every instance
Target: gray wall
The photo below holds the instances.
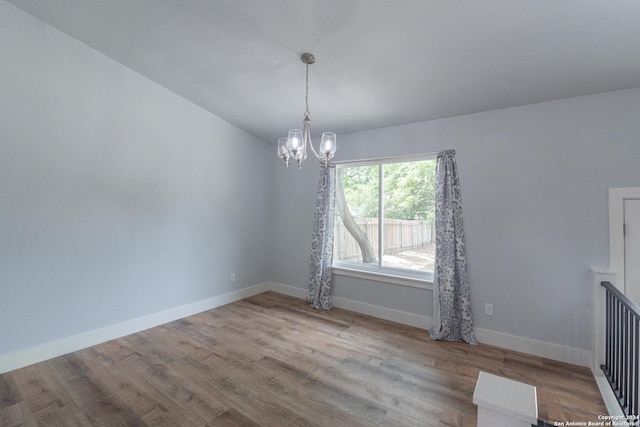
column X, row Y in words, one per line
column 118, row 198
column 534, row 188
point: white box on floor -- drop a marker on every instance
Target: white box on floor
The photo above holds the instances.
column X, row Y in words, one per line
column 505, row 403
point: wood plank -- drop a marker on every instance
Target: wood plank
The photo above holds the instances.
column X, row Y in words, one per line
column 342, row 399
column 285, row 379
column 16, row 415
column 98, row 402
column 195, row 398
column 233, row 418
column 240, row 390
column 9, row 393
column 47, row 399
column 132, row 386
column 382, row 388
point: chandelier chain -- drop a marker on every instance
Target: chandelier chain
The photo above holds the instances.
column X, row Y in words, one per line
column 306, row 93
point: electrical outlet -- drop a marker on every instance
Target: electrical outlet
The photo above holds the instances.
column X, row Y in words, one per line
column 233, row 277
column 488, row 309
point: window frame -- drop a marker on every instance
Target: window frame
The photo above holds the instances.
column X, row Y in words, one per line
column 398, row 276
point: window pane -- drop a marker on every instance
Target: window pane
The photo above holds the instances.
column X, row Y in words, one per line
column 409, row 207
column 405, row 190
column 356, row 233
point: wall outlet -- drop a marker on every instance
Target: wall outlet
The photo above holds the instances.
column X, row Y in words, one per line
column 233, row 277
column 488, row 309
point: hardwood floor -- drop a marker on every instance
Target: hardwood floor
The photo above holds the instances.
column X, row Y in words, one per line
column 270, row 360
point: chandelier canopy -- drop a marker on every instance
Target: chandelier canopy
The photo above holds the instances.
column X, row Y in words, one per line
column 294, row 146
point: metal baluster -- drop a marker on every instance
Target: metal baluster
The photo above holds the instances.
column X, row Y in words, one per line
column 624, row 386
column 616, row 349
column 609, row 333
column 636, row 362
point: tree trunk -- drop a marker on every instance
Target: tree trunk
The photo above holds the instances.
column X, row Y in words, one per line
column 368, row 254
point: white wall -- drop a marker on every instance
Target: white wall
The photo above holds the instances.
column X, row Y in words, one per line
column 118, row 199
column 534, row 189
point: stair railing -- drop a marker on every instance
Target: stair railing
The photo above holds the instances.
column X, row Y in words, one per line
column 622, row 348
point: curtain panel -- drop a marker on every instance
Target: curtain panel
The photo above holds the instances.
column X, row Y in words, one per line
column 320, row 276
column 451, row 294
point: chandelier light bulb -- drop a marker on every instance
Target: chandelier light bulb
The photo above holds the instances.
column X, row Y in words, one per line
column 282, row 147
column 283, row 153
column 328, row 144
column 294, row 140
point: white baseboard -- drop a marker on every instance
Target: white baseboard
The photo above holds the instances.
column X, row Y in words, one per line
column 609, row 398
column 385, row 313
column 291, row 291
column 19, row 359
column 558, row 352
column 398, row 316
column 11, row 361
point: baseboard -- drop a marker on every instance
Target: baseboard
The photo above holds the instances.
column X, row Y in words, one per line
column 291, row 291
column 608, row 396
column 397, row 316
column 73, row 343
column 511, row 342
column 558, row 352
column 19, row 359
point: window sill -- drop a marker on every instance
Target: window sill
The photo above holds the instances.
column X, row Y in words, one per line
column 384, row 277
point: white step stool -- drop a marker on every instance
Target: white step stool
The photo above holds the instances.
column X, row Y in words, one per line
column 505, row 403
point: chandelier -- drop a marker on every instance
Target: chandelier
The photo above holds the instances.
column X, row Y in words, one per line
column 294, row 146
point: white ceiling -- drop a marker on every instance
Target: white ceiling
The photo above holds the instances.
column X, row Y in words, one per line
column 379, row 62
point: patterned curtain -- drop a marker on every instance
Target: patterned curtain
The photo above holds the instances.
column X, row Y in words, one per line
column 322, row 241
column 452, row 307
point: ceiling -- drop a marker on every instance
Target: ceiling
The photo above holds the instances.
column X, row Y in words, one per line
column 378, row 62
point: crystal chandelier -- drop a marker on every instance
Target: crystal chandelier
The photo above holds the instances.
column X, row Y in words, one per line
column 295, row 145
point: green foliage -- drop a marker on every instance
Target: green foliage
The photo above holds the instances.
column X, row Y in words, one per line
column 360, row 186
column 409, row 191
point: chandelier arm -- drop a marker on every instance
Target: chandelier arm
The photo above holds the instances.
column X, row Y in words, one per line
column 306, row 134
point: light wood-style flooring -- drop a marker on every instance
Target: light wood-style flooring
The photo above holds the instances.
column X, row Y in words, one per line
column 270, row 360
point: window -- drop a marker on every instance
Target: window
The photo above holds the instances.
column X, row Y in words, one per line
column 385, row 221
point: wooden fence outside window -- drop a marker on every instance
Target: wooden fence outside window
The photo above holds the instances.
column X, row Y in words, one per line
column 399, row 236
